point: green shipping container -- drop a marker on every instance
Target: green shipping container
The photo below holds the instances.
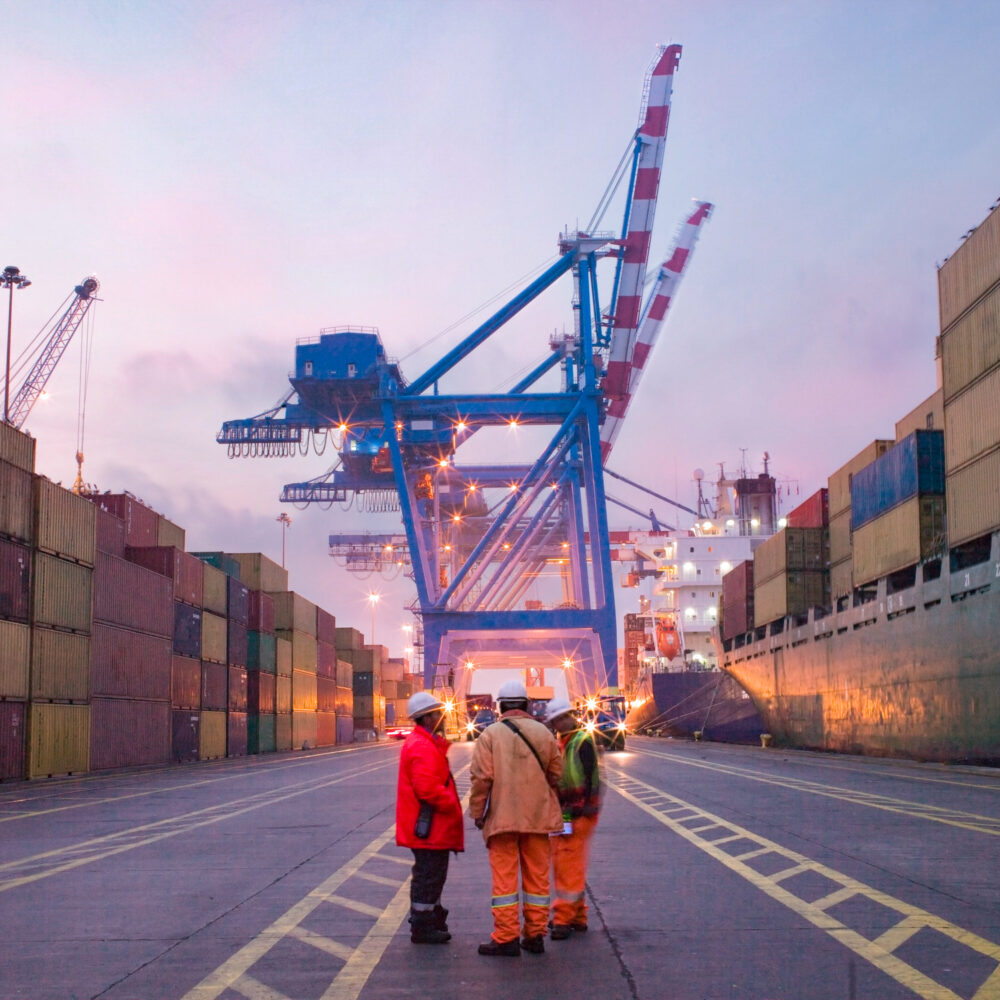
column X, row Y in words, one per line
column 64, row 523
column 58, row 740
column 62, row 593
column 17, row 447
column 60, row 666
column 261, row 652
column 15, row 647
column 17, row 504
column 261, row 734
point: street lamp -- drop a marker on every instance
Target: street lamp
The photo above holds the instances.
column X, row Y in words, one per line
column 10, row 279
column 286, row 522
column 373, row 599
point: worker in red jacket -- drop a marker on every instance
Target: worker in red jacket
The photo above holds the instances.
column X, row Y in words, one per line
column 428, row 816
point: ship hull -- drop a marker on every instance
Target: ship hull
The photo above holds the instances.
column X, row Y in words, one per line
column 914, row 673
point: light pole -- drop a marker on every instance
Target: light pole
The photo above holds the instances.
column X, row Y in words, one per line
column 10, row 279
column 286, row 522
column 373, row 599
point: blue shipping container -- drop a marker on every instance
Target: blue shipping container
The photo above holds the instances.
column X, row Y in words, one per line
column 913, row 466
column 187, row 630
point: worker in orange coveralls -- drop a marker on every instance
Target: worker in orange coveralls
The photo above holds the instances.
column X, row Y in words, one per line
column 580, row 798
column 516, row 767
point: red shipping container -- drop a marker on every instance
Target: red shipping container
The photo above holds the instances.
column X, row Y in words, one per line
column 326, row 694
column 326, row 659
column 12, row 728
column 141, row 522
column 737, row 600
column 132, row 597
column 110, row 532
column 214, row 686
column 326, row 729
column 261, row 616
column 237, row 644
column 326, row 627
column 185, row 684
column 126, row 733
column 128, row 664
column 187, row 571
column 237, row 689
column 15, row 580
column 260, row 693
column 812, row 513
column 236, row 734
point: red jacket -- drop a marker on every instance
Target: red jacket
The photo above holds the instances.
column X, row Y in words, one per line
column 424, row 774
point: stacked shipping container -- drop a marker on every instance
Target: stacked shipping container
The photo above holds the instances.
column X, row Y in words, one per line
column 790, row 574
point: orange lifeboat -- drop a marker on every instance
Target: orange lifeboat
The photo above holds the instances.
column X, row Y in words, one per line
column 668, row 640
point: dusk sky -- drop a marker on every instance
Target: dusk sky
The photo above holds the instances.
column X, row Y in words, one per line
column 242, row 174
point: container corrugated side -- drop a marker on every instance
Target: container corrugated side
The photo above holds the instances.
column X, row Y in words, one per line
column 237, row 689
column 283, row 732
column 64, row 523
column 282, row 695
column 237, row 644
column 220, row 560
column 186, row 729
column 292, row 612
column 345, row 730
column 326, row 659
column 345, row 673
column 129, row 664
column 17, row 510
column 260, row 693
column 185, row 682
column 842, row 578
column 168, row 533
column 344, row 703
column 303, row 691
column 970, row 271
column 903, row 536
column 187, row 630
column 260, row 573
column 109, row 533
column 262, row 652
column 62, row 593
column 365, row 683
column 236, row 734
column 141, row 522
column 13, row 727
column 261, row 734
column 972, row 493
column 126, row 732
column 303, row 650
column 973, row 422
column 17, row 447
column 15, row 657
column 183, row 568
column 215, row 587
column 326, row 729
column 792, row 593
column 348, row 638
column 814, row 512
column 392, row 669
column 261, row 612
column 60, row 665
column 971, row 347
column 389, row 689
column 214, row 686
column 326, row 694
column 58, row 740
column 326, row 626
column 237, row 601
column 212, row 736
column 928, row 415
column 840, row 536
column 15, row 581
column 132, row 597
column 214, row 636
column 839, row 483
column 303, row 730
column 789, row 549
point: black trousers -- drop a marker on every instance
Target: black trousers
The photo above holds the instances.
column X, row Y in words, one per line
column 430, row 869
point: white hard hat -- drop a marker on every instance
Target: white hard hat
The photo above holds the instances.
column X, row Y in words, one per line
column 512, row 691
column 557, row 707
column 421, row 703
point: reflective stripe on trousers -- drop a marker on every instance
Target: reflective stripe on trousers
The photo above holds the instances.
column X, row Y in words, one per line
column 570, row 854
column 527, row 854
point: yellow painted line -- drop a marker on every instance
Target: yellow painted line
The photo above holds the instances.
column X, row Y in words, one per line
column 379, row 879
column 254, row 990
column 951, row 817
column 95, row 850
column 877, row 952
column 318, row 941
column 353, row 904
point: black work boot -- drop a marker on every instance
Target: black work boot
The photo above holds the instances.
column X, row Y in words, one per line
column 422, row 929
column 536, row 944
column 440, row 918
column 508, row 949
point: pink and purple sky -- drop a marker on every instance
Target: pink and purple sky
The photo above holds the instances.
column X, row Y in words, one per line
column 241, row 174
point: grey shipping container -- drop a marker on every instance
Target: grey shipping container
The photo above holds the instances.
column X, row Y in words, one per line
column 15, row 581
column 345, row 730
column 187, row 630
column 238, row 600
column 17, row 518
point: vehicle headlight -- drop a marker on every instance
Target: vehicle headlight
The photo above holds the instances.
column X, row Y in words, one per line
column 470, row 726
column 621, row 727
column 590, row 727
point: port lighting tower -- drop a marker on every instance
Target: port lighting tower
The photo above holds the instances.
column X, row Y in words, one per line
column 10, row 279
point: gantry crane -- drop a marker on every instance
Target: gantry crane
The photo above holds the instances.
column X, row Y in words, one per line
column 480, row 537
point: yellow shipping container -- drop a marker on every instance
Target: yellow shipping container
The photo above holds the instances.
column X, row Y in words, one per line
column 283, row 732
column 304, row 697
column 304, row 725
column 212, row 736
column 168, row 533
column 64, row 522
column 839, row 484
column 283, row 695
column 260, row 573
column 971, row 346
column 58, row 740
column 15, row 656
column 216, row 583
column 17, row 447
column 293, row 611
column 283, row 656
column 17, row 505
column 973, row 421
column 303, row 649
column 214, row 637
column 842, row 578
column 60, row 665
column 901, row 537
column 929, row 415
column 970, row 271
column 972, row 510
column 61, row 593
column 792, row 593
column 840, row 537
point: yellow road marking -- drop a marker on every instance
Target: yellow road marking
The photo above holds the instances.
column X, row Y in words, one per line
column 331, row 947
column 877, row 952
column 951, row 817
column 253, row 990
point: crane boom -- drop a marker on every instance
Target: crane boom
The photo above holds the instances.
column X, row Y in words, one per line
column 55, row 346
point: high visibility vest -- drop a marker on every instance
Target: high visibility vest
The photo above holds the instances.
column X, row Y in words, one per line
column 577, row 795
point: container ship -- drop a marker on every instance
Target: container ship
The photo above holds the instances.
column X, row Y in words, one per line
column 118, row 648
column 875, row 628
